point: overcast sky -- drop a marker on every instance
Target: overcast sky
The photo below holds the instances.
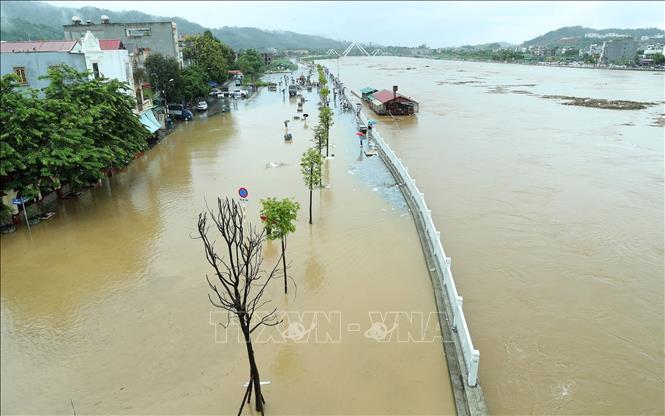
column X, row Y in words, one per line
column 405, row 23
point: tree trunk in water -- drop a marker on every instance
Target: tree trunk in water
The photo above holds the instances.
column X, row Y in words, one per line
column 327, row 138
column 284, row 262
column 310, row 205
column 253, row 369
column 311, row 169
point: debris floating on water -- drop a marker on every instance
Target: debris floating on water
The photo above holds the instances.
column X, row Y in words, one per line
column 600, row 102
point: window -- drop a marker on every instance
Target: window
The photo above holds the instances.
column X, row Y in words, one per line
column 95, row 70
column 20, row 72
column 138, row 32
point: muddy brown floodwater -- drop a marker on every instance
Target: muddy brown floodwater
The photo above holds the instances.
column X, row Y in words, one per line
column 106, row 304
column 553, row 217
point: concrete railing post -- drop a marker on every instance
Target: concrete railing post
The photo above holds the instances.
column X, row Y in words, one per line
column 472, row 380
column 456, row 314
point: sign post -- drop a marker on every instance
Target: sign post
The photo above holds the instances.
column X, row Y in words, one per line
column 21, row 201
column 243, row 193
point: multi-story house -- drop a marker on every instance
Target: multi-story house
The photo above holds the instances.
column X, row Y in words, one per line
column 150, row 37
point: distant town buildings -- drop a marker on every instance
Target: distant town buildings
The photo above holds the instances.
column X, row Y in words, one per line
column 150, row 37
column 605, row 35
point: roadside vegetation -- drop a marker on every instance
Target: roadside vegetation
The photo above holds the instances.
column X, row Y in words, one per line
column 209, row 62
column 68, row 132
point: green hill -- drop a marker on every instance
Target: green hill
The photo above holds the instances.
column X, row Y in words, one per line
column 575, row 36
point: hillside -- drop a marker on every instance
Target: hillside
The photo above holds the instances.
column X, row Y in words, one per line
column 22, row 20
column 575, row 36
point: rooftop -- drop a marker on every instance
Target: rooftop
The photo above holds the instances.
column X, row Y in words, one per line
column 38, row 46
column 110, row 44
column 384, row 96
column 83, row 25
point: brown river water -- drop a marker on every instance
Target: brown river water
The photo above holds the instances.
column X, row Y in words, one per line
column 553, row 217
column 105, row 306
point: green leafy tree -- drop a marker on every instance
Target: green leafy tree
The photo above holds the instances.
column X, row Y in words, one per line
column 22, row 126
column 164, row 75
column 658, row 59
column 319, row 138
column 279, row 217
column 78, row 128
column 324, row 92
column 250, row 62
column 325, row 120
column 194, row 83
column 310, row 167
column 210, row 54
column 91, row 126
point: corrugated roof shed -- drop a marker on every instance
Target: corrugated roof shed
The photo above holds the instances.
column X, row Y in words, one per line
column 368, row 90
column 38, row 46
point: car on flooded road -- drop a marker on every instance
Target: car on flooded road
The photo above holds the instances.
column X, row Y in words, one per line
column 202, row 106
column 179, row 112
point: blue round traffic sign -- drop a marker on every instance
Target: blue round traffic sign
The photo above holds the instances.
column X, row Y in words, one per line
column 243, row 192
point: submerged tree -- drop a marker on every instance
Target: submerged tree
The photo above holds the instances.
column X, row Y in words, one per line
column 279, row 216
column 241, row 281
column 325, row 120
column 310, row 166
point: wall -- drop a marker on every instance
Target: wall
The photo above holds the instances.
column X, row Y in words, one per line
column 37, row 63
column 163, row 35
column 620, row 50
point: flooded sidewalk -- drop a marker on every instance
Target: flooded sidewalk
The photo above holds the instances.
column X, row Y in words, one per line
column 106, row 305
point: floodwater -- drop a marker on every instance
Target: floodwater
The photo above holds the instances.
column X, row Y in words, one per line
column 105, row 306
column 553, row 217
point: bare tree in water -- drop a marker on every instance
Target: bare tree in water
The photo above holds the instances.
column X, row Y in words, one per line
column 240, row 280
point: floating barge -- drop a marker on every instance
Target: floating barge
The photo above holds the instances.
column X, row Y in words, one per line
column 388, row 102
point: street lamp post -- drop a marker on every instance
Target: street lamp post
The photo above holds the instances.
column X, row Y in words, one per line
column 166, row 101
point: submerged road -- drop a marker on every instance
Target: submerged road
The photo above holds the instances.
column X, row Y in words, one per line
column 107, row 305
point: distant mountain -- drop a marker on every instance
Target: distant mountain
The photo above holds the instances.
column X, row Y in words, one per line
column 23, row 20
column 485, row 46
column 577, row 36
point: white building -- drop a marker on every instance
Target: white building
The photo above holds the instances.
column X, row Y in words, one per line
column 108, row 60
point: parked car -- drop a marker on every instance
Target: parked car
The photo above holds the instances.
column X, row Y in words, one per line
column 179, row 112
column 238, row 83
column 202, row 106
column 214, row 92
column 240, row 93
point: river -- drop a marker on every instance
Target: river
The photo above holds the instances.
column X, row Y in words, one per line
column 105, row 306
column 553, row 217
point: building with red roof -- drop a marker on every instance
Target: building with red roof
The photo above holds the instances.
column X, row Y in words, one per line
column 110, row 44
column 390, row 102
